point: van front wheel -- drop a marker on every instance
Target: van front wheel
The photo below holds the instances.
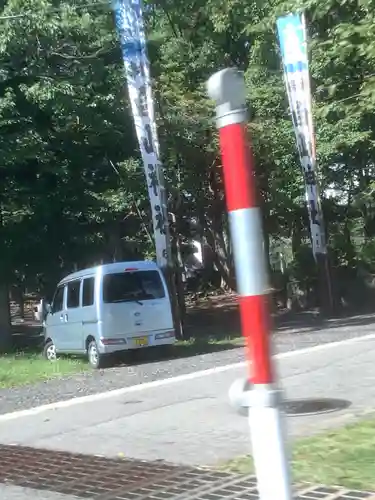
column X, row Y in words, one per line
column 49, row 351
column 95, row 359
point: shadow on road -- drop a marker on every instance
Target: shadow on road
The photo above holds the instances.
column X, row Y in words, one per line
column 313, row 321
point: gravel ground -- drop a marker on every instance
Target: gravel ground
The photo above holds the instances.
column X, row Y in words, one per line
column 302, row 331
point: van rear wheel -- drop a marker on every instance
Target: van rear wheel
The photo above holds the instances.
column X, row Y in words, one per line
column 95, row 359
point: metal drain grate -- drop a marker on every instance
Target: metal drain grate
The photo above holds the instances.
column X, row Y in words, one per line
column 104, row 479
column 314, row 406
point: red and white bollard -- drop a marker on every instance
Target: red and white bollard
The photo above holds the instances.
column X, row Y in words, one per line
column 227, row 89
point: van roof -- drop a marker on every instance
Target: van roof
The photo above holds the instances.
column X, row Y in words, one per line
column 111, row 268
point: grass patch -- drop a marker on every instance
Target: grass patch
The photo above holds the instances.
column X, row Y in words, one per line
column 28, row 366
column 210, row 341
column 345, row 457
column 24, row 368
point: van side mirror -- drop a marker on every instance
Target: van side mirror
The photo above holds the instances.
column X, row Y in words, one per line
column 47, row 308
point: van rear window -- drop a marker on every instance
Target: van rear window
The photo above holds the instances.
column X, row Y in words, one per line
column 132, row 286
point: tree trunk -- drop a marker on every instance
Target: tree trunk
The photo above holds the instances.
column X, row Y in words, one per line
column 215, row 224
column 221, row 258
column 114, row 243
column 266, row 241
column 21, row 301
column 17, row 295
column 296, row 238
column 170, row 278
column 178, row 268
column 5, row 320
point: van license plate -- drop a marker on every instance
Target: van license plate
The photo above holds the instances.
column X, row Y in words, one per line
column 141, row 341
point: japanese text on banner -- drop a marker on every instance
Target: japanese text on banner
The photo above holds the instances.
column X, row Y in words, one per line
column 129, row 23
column 292, row 37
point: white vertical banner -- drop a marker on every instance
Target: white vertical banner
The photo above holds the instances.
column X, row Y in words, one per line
column 293, row 45
column 130, row 27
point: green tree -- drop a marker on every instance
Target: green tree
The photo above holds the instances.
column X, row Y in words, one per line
column 72, row 190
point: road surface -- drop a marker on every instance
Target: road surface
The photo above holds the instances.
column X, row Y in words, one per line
column 301, row 331
column 187, row 419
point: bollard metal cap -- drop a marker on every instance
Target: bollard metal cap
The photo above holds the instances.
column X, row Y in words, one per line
column 227, row 88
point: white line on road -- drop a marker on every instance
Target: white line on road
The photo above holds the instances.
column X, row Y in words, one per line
column 172, row 380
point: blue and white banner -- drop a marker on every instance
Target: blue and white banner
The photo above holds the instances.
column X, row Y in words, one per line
column 293, row 45
column 130, row 27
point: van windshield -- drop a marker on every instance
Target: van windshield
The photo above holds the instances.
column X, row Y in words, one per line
column 132, row 286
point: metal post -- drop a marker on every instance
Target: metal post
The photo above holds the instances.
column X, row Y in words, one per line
column 227, row 89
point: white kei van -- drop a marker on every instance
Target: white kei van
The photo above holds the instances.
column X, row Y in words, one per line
column 109, row 308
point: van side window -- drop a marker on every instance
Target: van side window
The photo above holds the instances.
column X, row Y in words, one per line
column 72, row 298
column 88, row 292
column 58, row 299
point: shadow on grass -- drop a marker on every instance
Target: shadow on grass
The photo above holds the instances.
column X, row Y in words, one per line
column 180, row 350
column 210, row 329
column 27, row 340
column 29, row 345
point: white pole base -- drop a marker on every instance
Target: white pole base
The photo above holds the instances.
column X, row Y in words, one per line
column 238, row 396
column 268, row 443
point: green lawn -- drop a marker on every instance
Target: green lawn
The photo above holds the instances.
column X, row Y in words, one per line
column 345, row 457
column 29, row 367
column 24, row 368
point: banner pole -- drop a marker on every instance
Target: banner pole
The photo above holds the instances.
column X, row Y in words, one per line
column 130, row 27
column 293, row 45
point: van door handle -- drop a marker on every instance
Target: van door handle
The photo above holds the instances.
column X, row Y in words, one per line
column 61, row 317
column 65, row 318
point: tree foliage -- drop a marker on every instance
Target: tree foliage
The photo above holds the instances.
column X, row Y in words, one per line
column 72, row 183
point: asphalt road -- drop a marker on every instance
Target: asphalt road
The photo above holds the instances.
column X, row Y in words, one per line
column 188, row 419
column 302, row 331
